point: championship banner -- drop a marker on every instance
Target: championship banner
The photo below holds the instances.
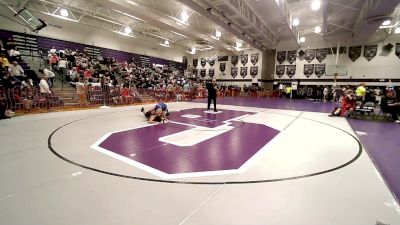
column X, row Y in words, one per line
column 370, row 51
column 234, row 60
column 397, row 50
column 319, row 70
column 211, row 72
column 254, row 71
column 203, row 72
column 195, row 62
column 195, row 72
column 292, row 56
column 321, row 54
column 310, row 55
column 280, row 70
column 243, row 71
column 290, row 70
column 354, row 52
column 211, row 62
column 234, row 71
column 222, row 67
column 254, row 58
column 281, row 57
column 308, row 70
column 203, row 62
column 244, row 59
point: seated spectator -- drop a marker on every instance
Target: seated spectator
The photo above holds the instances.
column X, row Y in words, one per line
column 157, row 114
column 4, row 60
column 15, row 55
column 16, row 71
column 390, row 105
column 347, row 107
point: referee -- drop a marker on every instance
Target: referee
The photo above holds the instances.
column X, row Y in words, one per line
column 212, row 89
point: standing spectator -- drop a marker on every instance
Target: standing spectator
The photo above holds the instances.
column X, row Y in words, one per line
column 53, row 61
column 62, row 67
column 326, row 93
column 81, row 91
column 45, row 90
column 49, row 74
column 212, row 94
column 8, row 85
column 360, row 92
column 390, row 105
column 4, row 61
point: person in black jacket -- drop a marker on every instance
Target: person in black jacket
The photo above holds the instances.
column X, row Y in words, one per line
column 212, row 89
column 390, row 105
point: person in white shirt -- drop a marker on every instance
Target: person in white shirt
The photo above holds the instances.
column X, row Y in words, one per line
column 81, row 90
column 16, row 71
column 15, row 54
column 45, row 90
column 49, row 74
column 62, row 66
column 53, row 50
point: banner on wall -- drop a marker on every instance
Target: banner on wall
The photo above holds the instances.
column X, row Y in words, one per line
column 254, row 58
column 308, row 70
column 203, row 62
column 203, row 72
column 234, row 71
column 319, row 70
column 211, row 72
column 354, row 52
column 195, row 72
column 281, row 57
column 321, row 54
column 222, row 67
column 310, row 55
column 370, row 51
column 211, row 62
column 280, row 70
column 195, row 62
column 223, row 58
column 290, row 70
column 244, row 59
column 254, row 71
column 234, row 60
column 243, row 71
column 292, row 56
column 397, row 50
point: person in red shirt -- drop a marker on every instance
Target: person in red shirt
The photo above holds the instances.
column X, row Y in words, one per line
column 347, row 107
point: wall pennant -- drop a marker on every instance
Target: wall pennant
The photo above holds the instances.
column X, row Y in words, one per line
column 310, row 55
column 354, row 52
column 244, row 59
column 308, row 70
column 280, row 70
column 254, row 58
column 290, row 70
column 370, row 51
column 319, row 70
column 281, row 57
column 254, row 71
column 234, row 60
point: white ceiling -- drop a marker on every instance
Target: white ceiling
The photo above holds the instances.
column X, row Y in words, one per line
column 262, row 24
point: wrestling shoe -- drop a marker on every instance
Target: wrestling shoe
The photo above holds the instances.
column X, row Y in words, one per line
column 142, row 110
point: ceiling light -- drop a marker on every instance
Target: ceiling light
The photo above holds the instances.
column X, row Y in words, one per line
column 386, row 23
column 239, row 44
column 397, row 30
column 302, row 39
column 218, row 33
column 166, row 42
column 184, row 16
column 296, row 22
column 315, row 5
column 128, row 30
column 192, row 50
column 64, row 12
column 317, row 29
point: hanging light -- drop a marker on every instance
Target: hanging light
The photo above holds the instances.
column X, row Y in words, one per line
column 296, row 22
column 386, row 23
column 64, row 12
column 315, row 5
column 397, row 30
column 302, row 39
column 317, row 29
column 128, row 30
column 239, row 44
column 218, row 33
column 184, row 16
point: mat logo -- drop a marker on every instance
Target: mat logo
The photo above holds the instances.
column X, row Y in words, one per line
column 193, row 143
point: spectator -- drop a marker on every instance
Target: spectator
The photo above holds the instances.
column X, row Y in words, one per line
column 16, row 71
column 45, row 90
column 53, row 61
column 49, row 74
column 81, row 91
column 62, row 67
column 389, row 104
column 15, row 55
column 4, row 60
column 360, row 92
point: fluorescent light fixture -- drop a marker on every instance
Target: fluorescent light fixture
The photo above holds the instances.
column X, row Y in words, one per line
column 165, row 43
column 397, row 30
column 132, row 3
column 184, row 16
column 302, row 39
column 296, row 22
column 317, row 29
column 64, row 12
column 386, row 23
column 315, row 5
column 218, row 33
column 178, row 34
column 128, row 30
